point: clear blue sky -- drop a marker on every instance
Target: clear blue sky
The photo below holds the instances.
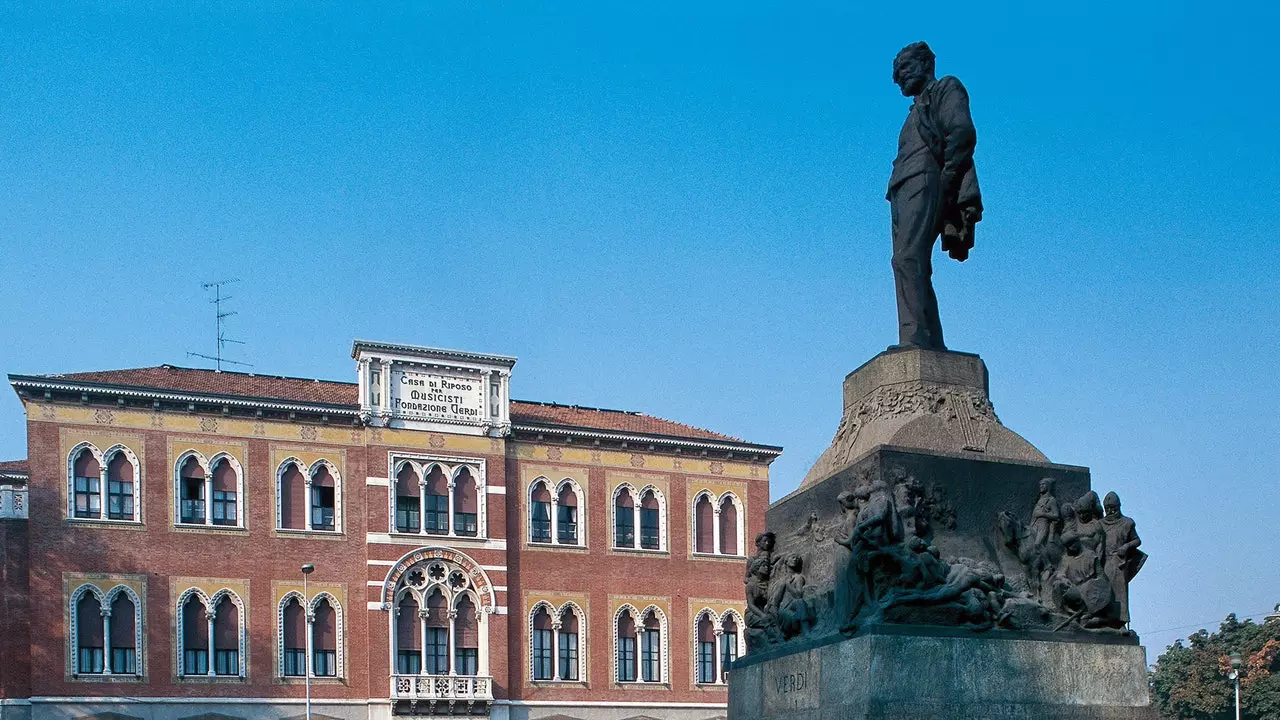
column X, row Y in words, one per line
column 678, row 208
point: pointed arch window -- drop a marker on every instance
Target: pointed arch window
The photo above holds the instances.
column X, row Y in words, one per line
column 650, row 521
column 191, row 488
column 226, row 637
column 624, row 524
column 704, row 525
column 466, row 505
column 651, row 649
column 567, row 639
column 91, row 641
column 225, row 509
column 627, row 640
column 292, row 493
column 212, row 634
column 105, row 638
column 436, row 646
column 195, row 637
column 408, row 500
column 408, row 636
column 324, row 639
column 86, row 485
column 324, row 499
column 728, row 527
column 542, row 644
column 540, row 514
column 728, row 645
column 435, row 512
column 706, row 631
column 120, row 487
column 567, row 514
column 293, row 638
column 466, row 651
column 209, row 492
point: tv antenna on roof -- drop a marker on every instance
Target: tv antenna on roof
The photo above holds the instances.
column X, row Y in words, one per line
column 219, row 315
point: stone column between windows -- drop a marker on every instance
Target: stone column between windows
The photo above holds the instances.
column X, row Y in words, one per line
column 637, row 540
column 309, row 523
column 449, row 523
column 555, row 648
column 452, row 646
column 105, row 609
column 422, row 502
column 311, row 621
column 209, row 666
column 717, row 672
column 555, row 517
column 483, row 662
column 208, row 508
column 715, row 529
column 103, row 497
column 422, row 648
column 363, row 386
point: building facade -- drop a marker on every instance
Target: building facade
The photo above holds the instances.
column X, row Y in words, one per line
column 471, row 555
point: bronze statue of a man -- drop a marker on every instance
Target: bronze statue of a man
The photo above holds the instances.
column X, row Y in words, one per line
column 933, row 189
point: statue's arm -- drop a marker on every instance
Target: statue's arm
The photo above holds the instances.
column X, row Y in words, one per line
column 956, row 125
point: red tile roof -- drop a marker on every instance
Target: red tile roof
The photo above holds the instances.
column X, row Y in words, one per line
column 328, row 392
column 19, row 467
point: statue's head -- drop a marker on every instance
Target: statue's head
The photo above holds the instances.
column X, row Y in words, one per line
column 913, row 68
column 764, row 541
column 1046, row 486
column 1111, row 504
column 1088, row 508
column 847, row 499
column 795, row 562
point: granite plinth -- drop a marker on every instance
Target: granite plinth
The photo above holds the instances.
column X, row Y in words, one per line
column 943, row 677
column 926, row 400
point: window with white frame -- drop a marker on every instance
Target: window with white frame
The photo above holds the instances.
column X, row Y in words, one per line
column 211, row 634
column 106, row 632
column 209, row 491
column 308, row 497
column 437, row 626
column 639, row 518
column 556, row 648
column 438, row 496
column 103, row 485
column 717, row 524
column 640, row 645
column 718, row 642
column 321, row 622
column 556, row 512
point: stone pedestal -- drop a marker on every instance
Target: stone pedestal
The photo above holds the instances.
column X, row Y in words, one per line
column 925, row 400
column 919, row 674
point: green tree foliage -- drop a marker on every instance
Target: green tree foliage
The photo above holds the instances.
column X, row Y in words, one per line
column 1190, row 681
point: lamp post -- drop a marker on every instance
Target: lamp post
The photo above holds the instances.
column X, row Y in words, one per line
column 1235, row 675
column 307, row 569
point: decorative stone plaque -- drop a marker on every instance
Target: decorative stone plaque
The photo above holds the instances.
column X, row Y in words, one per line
column 792, row 683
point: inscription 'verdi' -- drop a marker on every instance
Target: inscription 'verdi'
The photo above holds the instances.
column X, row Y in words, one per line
column 791, row 682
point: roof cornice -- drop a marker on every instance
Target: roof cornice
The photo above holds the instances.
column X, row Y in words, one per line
column 430, row 352
column 29, row 382
column 595, row 434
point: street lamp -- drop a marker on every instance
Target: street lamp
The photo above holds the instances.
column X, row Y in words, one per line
column 307, row 569
column 1235, row 675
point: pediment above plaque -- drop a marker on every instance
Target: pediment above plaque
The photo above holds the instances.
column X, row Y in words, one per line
column 433, row 389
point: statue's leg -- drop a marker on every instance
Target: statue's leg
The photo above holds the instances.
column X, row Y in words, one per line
column 915, row 206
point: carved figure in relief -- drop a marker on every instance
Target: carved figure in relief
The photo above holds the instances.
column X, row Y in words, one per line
column 908, row 498
column 1123, row 559
column 1046, row 516
column 1088, row 526
column 761, row 618
column 795, row 610
column 1083, row 591
column 848, row 584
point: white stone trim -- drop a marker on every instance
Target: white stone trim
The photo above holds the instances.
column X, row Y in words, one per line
column 637, row 618
column 207, row 466
column 452, row 466
column 210, row 603
column 103, row 459
column 378, row 481
column 105, row 600
column 717, row 502
column 337, row 494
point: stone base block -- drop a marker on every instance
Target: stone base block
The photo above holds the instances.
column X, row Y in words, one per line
column 914, row 677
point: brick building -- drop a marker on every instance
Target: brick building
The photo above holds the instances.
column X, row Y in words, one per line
column 473, row 554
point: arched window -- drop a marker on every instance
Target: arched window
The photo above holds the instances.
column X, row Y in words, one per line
column 437, row 640
column 542, row 644
column 408, row 500
column 90, row 642
column 704, row 525
column 191, row 495
column 435, row 513
column 324, row 639
column 466, row 651
column 567, row 514
column 123, row 621
column 293, row 493
column 226, row 637
column 226, row 483
column 729, row 529
column 568, row 645
column 120, row 487
column 624, row 527
column 540, row 514
column 86, row 486
column 293, row 622
column 651, row 648
column 650, row 521
column 324, row 501
column 728, row 644
column 195, row 636
column 626, row 647
column 706, row 632
column 408, row 637
column 466, row 506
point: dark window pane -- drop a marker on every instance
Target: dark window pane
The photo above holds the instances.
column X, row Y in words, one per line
column 465, row 524
column 541, row 654
column 437, row 517
column 650, row 656
column 466, row 660
column 326, row 663
column 124, row 660
column 728, row 651
column 626, row 659
column 706, row 662
column 648, row 528
column 624, row 533
column 407, row 511
column 322, row 507
column 567, row 522
column 195, row 662
column 409, row 662
column 568, row 656
column 224, row 507
column 90, row 659
column 226, row 662
column 541, row 519
column 437, row 651
column 295, row 662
